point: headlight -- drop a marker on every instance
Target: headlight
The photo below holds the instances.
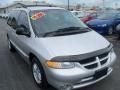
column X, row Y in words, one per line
column 60, row 65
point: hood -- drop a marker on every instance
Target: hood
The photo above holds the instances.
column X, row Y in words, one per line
column 74, row 44
column 99, row 22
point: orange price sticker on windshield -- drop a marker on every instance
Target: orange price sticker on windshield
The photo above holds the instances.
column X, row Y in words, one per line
column 38, row 15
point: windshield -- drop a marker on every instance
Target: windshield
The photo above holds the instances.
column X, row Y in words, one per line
column 107, row 16
column 46, row 21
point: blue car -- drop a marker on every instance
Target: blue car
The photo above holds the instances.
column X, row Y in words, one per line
column 106, row 24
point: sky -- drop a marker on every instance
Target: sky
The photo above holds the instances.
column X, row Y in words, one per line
column 111, row 3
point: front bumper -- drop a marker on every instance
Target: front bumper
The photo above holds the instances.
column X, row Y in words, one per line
column 77, row 77
column 91, row 80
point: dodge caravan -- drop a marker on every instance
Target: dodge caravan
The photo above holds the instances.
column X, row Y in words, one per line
column 60, row 49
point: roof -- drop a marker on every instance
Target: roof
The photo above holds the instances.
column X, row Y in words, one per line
column 26, row 4
column 37, row 8
column 42, row 8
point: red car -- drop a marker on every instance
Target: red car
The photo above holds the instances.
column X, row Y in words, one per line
column 89, row 17
column 86, row 19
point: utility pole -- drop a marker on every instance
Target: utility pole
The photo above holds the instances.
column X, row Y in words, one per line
column 68, row 5
column 36, row 2
column 103, row 4
column 116, row 5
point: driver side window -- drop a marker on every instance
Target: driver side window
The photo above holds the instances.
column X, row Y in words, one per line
column 23, row 21
column 13, row 19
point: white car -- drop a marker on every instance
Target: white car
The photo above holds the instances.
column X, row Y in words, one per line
column 79, row 14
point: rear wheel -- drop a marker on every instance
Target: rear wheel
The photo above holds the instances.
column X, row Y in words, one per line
column 39, row 74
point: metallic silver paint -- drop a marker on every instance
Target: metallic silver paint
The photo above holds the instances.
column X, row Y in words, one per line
column 50, row 47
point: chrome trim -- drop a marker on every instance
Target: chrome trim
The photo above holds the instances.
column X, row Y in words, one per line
column 92, row 82
column 97, row 61
column 104, row 58
column 94, row 62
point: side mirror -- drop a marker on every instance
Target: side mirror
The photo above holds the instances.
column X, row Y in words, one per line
column 22, row 31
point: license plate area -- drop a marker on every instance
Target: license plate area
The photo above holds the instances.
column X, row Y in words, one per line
column 100, row 73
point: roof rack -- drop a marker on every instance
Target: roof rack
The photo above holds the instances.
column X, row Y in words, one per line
column 26, row 6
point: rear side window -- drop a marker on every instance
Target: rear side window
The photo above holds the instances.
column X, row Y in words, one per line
column 13, row 19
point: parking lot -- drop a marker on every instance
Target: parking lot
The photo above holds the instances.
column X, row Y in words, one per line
column 15, row 73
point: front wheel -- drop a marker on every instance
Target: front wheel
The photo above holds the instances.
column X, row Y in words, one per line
column 10, row 46
column 39, row 74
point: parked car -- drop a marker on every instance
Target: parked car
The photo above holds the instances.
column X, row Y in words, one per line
column 89, row 17
column 60, row 49
column 79, row 14
column 106, row 23
column 85, row 16
column 3, row 15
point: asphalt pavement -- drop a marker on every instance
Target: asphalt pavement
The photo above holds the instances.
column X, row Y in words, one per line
column 15, row 74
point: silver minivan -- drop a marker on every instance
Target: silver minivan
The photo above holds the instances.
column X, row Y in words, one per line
column 60, row 49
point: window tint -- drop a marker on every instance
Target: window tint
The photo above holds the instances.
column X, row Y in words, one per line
column 53, row 20
column 15, row 14
column 13, row 18
column 23, row 20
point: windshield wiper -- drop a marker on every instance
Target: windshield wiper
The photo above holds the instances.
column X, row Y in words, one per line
column 68, row 30
column 71, row 29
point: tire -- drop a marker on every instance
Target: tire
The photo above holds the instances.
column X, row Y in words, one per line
column 39, row 74
column 10, row 46
column 110, row 31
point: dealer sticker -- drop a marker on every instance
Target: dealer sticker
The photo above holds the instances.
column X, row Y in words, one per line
column 37, row 16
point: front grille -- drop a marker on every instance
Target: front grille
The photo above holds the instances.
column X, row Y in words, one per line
column 94, row 62
column 85, row 61
column 103, row 62
column 103, row 55
column 91, row 66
